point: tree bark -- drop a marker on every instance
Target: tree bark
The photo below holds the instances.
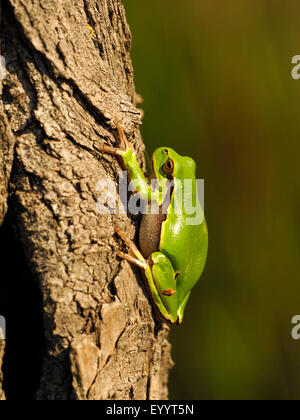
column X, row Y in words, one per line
column 69, row 76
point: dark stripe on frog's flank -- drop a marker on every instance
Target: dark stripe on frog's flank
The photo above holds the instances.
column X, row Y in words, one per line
column 150, row 229
column 149, row 235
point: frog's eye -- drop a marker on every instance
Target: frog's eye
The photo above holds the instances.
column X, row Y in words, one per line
column 168, row 167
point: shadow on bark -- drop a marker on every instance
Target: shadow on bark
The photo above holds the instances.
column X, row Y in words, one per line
column 21, row 305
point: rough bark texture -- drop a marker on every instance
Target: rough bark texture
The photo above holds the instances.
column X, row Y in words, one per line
column 69, row 75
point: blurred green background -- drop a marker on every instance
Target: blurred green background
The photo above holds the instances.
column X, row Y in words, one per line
column 216, row 81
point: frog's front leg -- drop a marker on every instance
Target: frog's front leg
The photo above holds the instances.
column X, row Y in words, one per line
column 136, row 174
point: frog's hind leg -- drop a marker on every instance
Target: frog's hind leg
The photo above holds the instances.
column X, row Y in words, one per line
column 135, row 257
column 164, row 280
column 160, row 277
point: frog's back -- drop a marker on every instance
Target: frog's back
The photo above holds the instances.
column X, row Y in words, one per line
column 186, row 248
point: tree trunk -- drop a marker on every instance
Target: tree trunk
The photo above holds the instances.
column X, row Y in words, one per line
column 79, row 321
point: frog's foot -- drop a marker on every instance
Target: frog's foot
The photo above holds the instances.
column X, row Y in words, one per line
column 135, row 257
column 131, row 259
column 116, row 151
column 110, row 150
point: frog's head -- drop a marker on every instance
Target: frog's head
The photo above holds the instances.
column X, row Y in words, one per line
column 167, row 164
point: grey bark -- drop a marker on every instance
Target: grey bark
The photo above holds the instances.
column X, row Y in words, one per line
column 69, row 76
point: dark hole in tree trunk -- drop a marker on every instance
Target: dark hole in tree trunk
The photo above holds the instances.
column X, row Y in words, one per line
column 20, row 304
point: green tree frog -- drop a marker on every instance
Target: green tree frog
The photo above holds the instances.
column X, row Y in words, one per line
column 172, row 244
